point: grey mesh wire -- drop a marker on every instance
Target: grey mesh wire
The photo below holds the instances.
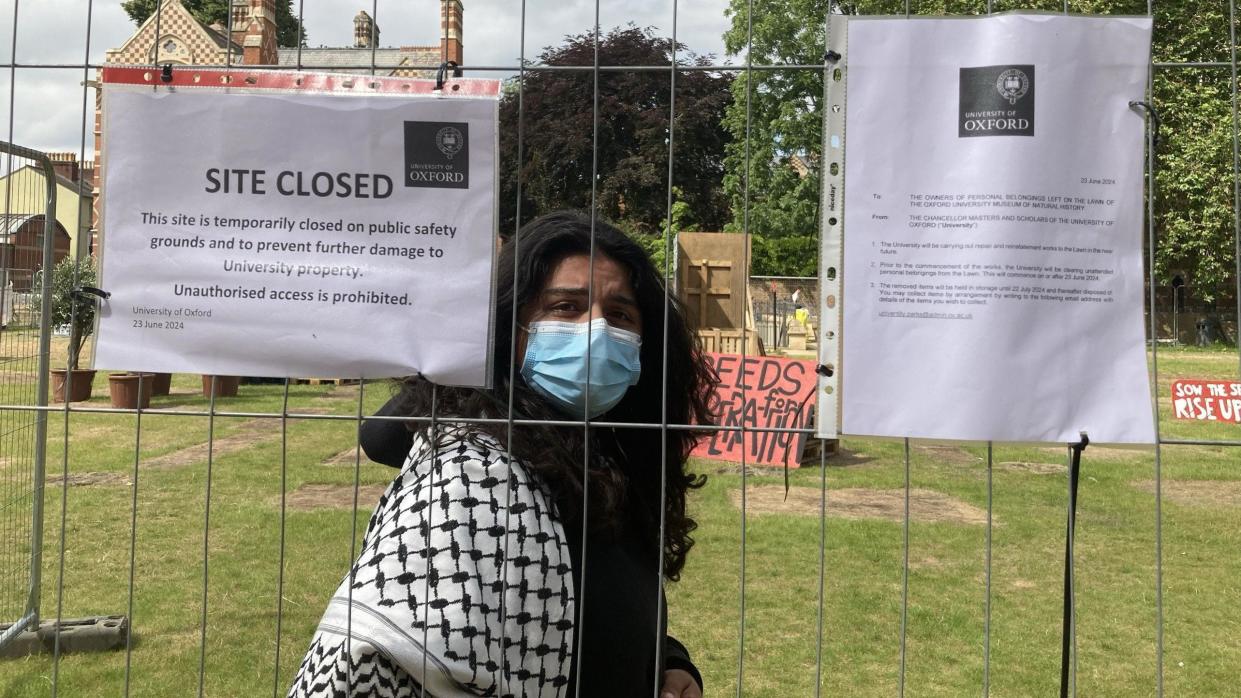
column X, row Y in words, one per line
column 24, row 484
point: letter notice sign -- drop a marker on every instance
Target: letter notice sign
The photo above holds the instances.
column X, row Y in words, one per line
column 992, row 241
column 297, row 224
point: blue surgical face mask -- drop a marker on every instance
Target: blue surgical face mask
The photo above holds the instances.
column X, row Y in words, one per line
column 555, row 364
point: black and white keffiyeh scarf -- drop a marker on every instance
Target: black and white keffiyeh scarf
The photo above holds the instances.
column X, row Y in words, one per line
column 462, row 587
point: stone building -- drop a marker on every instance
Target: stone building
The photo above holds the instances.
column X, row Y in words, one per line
column 23, row 193
column 174, row 36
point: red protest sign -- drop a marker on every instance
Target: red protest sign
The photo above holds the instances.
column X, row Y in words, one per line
column 1207, row 401
column 759, row 392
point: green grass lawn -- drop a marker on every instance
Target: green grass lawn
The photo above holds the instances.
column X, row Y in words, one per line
column 863, row 557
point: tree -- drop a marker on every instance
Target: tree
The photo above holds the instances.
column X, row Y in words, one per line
column 70, row 307
column 1194, row 169
column 1193, row 196
column 780, row 119
column 632, row 186
column 211, row 11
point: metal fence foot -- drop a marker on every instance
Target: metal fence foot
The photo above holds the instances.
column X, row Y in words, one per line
column 95, row 634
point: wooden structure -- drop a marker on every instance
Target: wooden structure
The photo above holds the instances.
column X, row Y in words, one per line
column 711, row 281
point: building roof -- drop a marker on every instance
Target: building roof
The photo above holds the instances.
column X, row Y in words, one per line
column 206, row 45
column 419, row 59
column 195, row 42
column 221, row 41
column 62, row 180
column 11, row 224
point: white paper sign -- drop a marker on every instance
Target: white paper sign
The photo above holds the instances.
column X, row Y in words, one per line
column 272, row 233
column 993, row 227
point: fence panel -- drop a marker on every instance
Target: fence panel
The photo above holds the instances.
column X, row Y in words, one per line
column 219, row 525
column 27, row 234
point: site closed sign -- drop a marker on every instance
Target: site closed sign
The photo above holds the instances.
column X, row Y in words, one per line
column 342, row 231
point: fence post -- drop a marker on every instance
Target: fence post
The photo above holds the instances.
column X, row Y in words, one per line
column 30, row 616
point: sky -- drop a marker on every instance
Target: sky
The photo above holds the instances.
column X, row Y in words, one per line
column 42, row 107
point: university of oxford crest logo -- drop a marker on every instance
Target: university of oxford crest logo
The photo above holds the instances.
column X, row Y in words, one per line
column 449, row 140
column 437, row 154
column 1012, row 84
column 996, row 100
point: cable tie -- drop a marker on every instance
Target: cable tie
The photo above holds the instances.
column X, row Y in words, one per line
column 441, row 75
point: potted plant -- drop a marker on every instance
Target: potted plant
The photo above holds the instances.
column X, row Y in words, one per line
column 131, row 390
column 161, row 384
column 69, row 308
column 225, row 386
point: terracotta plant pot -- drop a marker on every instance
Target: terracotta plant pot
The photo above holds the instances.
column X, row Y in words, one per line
column 126, row 391
column 80, row 388
column 225, row 386
column 161, row 383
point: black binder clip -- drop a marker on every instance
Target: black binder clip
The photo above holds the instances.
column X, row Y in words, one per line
column 824, row 370
column 831, row 56
column 165, row 75
column 441, row 75
column 90, row 293
column 1153, row 113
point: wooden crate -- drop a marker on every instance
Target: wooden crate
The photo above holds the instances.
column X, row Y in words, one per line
column 328, row 381
column 711, row 278
column 722, row 341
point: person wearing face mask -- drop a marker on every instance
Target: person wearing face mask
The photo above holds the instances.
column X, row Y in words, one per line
column 527, row 556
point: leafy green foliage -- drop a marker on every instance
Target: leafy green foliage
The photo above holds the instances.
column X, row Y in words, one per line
column 630, row 154
column 775, row 116
column 782, row 118
column 656, row 250
column 1193, row 199
column 209, row 11
column 789, row 255
column 67, row 308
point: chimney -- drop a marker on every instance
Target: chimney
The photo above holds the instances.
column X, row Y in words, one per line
column 260, row 43
column 451, row 20
column 65, row 165
column 240, row 11
column 365, row 31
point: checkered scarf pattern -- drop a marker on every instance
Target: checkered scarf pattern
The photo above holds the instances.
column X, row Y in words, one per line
column 462, row 588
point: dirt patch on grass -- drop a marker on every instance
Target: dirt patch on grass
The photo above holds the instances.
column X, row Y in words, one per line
column 339, row 391
column 939, row 453
column 314, row 497
column 861, row 503
column 348, row 457
column 247, row 434
column 1034, row 468
column 844, row 457
column 89, row 479
column 96, row 429
column 841, row 458
column 751, row 470
column 1197, row 493
column 1104, row 453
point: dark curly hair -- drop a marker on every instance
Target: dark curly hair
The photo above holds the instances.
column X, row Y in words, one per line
column 623, row 481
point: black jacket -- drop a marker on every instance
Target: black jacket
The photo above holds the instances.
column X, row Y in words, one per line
column 617, row 608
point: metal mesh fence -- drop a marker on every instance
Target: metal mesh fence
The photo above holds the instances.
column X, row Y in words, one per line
column 219, row 525
column 776, row 300
column 26, row 223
